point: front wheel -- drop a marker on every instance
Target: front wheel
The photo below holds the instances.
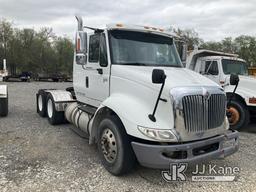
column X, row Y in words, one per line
column 114, row 147
column 238, row 115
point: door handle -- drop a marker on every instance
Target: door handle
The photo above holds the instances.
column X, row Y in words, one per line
column 100, row 71
column 86, row 82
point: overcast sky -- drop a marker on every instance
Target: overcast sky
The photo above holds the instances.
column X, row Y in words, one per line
column 212, row 19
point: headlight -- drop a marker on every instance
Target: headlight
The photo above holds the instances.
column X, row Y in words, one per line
column 158, row 134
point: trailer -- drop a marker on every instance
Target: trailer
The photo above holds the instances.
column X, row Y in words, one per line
column 55, row 77
column 3, row 90
column 133, row 98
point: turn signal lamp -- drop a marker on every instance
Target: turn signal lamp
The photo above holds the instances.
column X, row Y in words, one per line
column 78, row 44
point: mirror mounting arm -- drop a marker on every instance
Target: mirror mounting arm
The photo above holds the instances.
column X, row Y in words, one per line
column 234, row 80
column 152, row 116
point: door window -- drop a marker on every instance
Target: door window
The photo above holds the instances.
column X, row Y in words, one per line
column 94, row 46
column 211, row 68
column 103, row 51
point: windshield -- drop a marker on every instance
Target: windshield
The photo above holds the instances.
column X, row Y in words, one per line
column 234, row 67
column 137, row 48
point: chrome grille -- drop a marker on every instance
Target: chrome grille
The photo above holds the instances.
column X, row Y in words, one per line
column 202, row 114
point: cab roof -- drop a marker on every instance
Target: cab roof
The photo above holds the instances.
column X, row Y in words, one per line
column 141, row 28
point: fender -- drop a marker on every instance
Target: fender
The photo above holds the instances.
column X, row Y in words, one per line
column 61, row 98
column 133, row 111
column 3, row 91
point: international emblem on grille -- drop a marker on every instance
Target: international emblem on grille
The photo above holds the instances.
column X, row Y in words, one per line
column 199, row 111
column 206, row 94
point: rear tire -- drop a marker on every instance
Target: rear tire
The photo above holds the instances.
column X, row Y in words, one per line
column 41, row 103
column 114, row 147
column 238, row 115
column 54, row 117
column 4, row 107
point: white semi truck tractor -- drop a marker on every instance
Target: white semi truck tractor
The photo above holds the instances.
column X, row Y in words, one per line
column 133, row 98
column 3, row 91
column 218, row 66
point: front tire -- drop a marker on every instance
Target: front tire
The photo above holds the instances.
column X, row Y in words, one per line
column 54, row 117
column 238, row 115
column 114, row 147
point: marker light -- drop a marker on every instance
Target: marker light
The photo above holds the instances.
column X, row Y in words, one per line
column 119, row 25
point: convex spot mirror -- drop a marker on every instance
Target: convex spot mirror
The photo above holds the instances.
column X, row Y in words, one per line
column 182, row 50
column 158, row 76
column 81, row 47
column 234, row 79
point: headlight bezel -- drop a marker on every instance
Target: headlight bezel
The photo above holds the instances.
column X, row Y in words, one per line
column 161, row 135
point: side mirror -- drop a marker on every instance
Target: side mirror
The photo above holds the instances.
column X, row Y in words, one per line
column 158, row 76
column 81, row 47
column 81, row 42
column 234, row 79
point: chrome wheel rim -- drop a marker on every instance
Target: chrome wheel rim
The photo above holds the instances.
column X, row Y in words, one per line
column 50, row 108
column 109, row 145
column 40, row 103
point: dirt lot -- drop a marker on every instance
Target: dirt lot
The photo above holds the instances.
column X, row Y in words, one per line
column 35, row 156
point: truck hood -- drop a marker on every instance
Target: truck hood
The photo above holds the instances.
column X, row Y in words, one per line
column 247, row 84
column 176, row 77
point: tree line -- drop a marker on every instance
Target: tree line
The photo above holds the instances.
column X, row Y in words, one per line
column 44, row 52
column 38, row 52
column 243, row 45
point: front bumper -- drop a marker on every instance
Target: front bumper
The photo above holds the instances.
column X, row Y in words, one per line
column 161, row 156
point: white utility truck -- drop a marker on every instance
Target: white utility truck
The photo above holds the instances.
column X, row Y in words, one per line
column 218, row 66
column 135, row 100
column 3, row 91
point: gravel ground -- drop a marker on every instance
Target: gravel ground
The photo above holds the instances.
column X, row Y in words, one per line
column 35, row 156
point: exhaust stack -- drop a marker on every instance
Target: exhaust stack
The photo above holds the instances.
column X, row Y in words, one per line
column 79, row 22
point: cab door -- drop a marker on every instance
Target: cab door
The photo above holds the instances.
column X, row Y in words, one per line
column 98, row 70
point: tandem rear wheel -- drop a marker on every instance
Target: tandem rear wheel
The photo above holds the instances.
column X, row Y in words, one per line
column 46, row 108
column 3, row 107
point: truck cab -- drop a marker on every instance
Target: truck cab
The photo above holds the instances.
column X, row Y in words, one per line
column 218, row 66
column 134, row 99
